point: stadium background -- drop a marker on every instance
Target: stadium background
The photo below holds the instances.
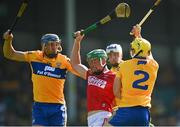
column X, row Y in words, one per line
column 65, row 16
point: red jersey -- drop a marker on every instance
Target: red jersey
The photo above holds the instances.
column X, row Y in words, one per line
column 100, row 91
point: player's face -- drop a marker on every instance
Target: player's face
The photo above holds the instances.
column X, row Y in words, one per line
column 95, row 65
column 115, row 58
column 52, row 48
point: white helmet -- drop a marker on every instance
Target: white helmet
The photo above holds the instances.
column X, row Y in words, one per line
column 113, row 48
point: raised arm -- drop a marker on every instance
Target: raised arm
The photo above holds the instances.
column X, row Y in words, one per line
column 9, row 51
column 117, row 87
column 136, row 31
column 76, row 57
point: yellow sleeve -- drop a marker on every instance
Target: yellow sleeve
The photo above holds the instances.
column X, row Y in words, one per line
column 118, row 74
column 69, row 67
column 30, row 55
column 119, row 71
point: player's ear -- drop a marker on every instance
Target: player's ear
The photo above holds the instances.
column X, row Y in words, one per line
column 59, row 48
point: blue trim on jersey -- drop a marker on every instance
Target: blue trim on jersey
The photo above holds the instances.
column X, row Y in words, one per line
column 141, row 62
column 47, row 70
column 131, row 116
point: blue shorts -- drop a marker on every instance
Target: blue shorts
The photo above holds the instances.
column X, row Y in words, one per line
column 49, row 114
column 131, row 116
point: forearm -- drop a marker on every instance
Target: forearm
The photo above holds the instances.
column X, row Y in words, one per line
column 11, row 53
column 117, row 93
column 150, row 56
column 8, row 49
column 117, row 87
column 75, row 55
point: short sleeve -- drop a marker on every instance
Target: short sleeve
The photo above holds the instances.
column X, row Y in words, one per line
column 30, row 55
column 119, row 71
column 118, row 74
column 69, row 67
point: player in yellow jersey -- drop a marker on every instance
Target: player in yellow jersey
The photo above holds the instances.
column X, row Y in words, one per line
column 49, row 68
column 134, row 84
column 115, row 54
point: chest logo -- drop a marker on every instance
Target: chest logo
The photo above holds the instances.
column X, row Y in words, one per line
column 58, row 64
column 92, row 80
column 48, row 68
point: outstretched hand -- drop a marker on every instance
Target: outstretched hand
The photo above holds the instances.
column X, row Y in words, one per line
column 79, row 37
column 136, row 31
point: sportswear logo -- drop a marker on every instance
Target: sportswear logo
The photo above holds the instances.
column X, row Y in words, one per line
column 58, row 64
column 48, row 68
column 92, row 80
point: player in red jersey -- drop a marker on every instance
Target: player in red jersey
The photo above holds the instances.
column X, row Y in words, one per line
column 100, row 97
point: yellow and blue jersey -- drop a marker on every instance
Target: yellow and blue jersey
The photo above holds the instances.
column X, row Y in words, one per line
column 48, row 76
column 115, row 69
column 137, row 77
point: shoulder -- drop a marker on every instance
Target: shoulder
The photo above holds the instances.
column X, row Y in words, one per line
column 63, row 59
column 154, row 63
column 34, row 54
column 61, row 56
column 110, row 73
column 120, row 63
column 125, row 62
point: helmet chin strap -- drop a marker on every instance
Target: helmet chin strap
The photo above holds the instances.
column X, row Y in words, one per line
column 51, row 55
column 115, row 65
column 99, row 72
column 137, row 54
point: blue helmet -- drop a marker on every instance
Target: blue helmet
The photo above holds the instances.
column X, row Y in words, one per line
column 49, row 38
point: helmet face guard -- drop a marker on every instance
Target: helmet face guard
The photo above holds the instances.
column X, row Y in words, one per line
column 115, row 54
column 48, row 39
column 98, row 54
column 113, row 48
column 140, row 47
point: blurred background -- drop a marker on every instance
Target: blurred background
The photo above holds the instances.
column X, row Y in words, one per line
column 63, row 17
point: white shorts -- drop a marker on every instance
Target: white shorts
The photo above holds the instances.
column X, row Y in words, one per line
column 98, row 119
